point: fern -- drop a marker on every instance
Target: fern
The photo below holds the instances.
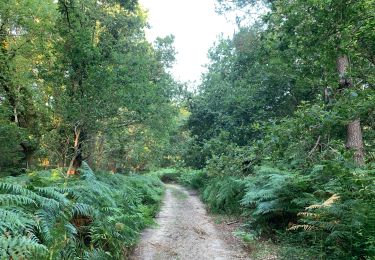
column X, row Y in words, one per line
column 340, row 218
column 274, row 198
column 87, row 215
column 19, row 200
column 223, row 194
column 20, row 247
column 16, row 222
column 97, row 254
column 53, row 193
column 86, row 173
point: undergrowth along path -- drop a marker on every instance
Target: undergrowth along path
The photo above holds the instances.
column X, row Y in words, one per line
column 184, row 231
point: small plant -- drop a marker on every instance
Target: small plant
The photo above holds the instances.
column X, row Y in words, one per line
column 245, row 236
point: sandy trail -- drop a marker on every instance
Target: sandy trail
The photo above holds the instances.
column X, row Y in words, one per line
column 184, row 231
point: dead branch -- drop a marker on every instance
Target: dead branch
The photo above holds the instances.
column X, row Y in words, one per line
column 315, row 146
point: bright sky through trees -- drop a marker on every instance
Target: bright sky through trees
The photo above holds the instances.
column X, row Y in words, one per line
column 195, row 25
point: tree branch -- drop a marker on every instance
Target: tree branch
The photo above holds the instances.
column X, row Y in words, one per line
column 315, row 146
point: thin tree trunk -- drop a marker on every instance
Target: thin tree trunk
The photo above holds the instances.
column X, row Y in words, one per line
column 15, row 115
column 354, row 140
column 76, row 160
column 99, row 151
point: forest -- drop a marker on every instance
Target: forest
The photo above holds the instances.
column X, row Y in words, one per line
column 280, row 132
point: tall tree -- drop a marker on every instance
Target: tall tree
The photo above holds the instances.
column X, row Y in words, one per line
column 320, row 35
column 354, row 137
column 25, row 32
column 108, row 72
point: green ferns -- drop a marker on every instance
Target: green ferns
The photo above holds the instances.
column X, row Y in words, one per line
column 223, row 194
column 46, row 216
column 341, row 221
column 24, row 219
column 329, row 209
column 274, row 197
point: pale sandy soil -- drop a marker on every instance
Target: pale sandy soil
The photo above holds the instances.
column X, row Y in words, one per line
column 184, row 231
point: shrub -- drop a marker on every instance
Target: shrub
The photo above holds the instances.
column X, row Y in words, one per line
column 341, row 223
column 195, row 179
column 223, row 194
column 274, row 197
column 167, row 174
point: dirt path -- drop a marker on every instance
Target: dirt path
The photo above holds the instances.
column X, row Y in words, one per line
column 184, row 231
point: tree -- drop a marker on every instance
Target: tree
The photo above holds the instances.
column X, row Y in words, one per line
column 25, row 32
column 106, row 72
column 318, row 35
column 74, row 72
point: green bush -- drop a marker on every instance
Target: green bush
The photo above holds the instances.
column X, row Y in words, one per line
column 223, row 194
column 274, row 197
column 90, row 216
column 167, row 174
column 195, row 179
column 341, row 222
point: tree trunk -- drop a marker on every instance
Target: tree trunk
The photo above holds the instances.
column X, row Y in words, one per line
column 99, row 151
column 28, row 152
column 342, row 68
column 354, row 140
column 77, row 159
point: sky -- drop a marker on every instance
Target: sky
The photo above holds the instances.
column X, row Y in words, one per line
column 195, row 26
